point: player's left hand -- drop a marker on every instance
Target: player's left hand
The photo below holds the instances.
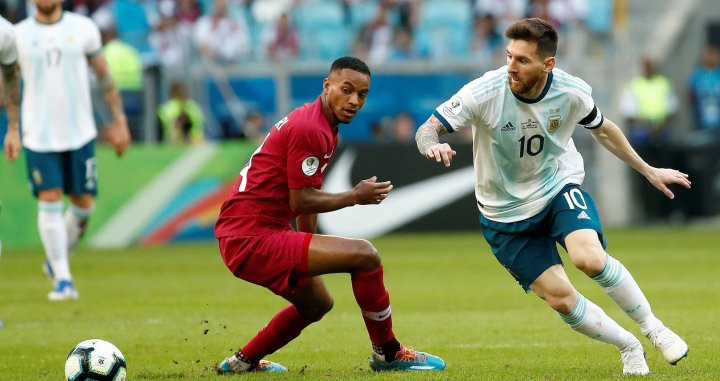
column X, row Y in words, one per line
column 371, row 191
column 12, row 145
column 660, row 178
column 118, row 136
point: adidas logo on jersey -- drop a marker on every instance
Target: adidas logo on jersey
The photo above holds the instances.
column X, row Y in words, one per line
column 583, row 216
column 508, row 127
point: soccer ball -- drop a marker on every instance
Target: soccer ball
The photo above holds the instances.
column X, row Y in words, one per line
column 97, row 360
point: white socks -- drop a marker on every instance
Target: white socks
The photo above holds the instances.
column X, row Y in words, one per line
column 76, row 220
column 620, row 285
column 590, row 320
column 54, row 237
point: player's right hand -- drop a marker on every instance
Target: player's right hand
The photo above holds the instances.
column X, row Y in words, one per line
column 118, row 136
column 370, row 191
column 12, row 145
column 441, row 152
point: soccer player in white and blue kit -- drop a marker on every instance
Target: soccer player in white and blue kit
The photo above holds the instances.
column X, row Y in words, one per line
column 528, row 176
column 55, row 50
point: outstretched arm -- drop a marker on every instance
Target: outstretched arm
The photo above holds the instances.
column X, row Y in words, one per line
column 117, row 134
column 310, row 200
column 11, row 82
column 612, row 138
column 427, row 138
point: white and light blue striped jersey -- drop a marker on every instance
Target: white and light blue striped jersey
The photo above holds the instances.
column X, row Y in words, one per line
column 523, row 151
column 56, row 109
column 8, row 49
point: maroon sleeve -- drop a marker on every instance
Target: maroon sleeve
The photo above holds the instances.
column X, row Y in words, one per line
column 307, row 156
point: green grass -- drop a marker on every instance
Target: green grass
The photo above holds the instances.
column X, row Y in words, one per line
column 449, row 297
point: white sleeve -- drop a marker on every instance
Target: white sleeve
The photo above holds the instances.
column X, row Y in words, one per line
column 459, row 111
column 93, row 42
column 591, row 116
column 593, row 120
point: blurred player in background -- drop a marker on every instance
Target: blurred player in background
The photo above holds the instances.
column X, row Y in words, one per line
column 281, row 182
column 528, row 176
column 54, row 49
column 10, row 94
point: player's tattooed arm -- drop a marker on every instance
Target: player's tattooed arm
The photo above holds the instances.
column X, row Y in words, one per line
column 11, row 99
column 107, row 87
column 11, row 81
column 429, row 134
column 118, row 134
column 428, row 141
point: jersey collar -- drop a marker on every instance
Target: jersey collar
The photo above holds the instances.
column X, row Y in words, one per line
column 542, row 94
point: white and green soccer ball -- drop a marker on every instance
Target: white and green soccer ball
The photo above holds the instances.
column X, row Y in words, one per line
column 96, row 360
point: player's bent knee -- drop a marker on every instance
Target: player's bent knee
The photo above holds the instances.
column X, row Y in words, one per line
column 590, row 261
column 326, row 307
column 370, row 257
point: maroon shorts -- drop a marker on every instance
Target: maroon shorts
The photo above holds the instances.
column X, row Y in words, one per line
column 277, row 260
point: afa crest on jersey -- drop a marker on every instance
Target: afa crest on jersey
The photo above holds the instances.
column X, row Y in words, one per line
column 554, row 120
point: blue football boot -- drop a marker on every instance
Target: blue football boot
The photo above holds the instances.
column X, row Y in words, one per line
column 233, row 365
column 407, row 359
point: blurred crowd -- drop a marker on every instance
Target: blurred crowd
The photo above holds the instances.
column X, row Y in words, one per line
column 169, row 33
column 163, row 39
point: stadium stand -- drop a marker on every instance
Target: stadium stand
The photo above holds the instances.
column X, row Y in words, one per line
column 604, row 39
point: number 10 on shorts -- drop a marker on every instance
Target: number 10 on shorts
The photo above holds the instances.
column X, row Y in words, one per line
column 575, row 198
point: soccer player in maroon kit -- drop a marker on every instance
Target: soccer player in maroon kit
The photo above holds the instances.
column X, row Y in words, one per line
column 281, row 182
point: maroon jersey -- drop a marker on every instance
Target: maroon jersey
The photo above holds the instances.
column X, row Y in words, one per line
column 294, row 155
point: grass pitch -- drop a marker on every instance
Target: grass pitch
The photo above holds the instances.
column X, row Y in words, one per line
column 176, row 311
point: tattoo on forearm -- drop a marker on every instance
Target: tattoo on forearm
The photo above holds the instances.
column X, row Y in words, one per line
column 106, row 83
column 11, row 79
column 429, row 134
column 111, row 94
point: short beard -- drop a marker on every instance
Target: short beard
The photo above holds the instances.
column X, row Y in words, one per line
column 524, row 88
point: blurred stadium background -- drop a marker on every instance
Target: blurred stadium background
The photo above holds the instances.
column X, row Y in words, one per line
column 174, row 310
column 245, row 64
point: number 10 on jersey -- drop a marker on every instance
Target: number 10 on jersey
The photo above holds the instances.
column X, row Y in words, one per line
column 533, row 146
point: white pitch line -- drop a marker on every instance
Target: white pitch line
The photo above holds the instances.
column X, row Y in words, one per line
column 124, row 226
